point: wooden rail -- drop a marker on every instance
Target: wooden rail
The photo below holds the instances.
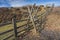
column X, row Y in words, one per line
column 23, row 26
column 14, row 33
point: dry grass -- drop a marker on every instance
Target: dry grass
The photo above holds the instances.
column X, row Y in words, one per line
column 52, row 27
column 9, row 27
column 51, row 30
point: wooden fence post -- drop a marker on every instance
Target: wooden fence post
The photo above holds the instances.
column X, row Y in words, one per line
column 32, row 20
column 15, row 27
column 33, row 10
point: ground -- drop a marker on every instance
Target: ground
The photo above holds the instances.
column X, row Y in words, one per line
column 51, row 30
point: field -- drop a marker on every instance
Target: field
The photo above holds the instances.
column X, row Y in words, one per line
column 50, row 32
column 5, row 28
column 52, row 27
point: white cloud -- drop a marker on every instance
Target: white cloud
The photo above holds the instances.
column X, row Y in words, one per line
column 17, row 3
column 45, row 3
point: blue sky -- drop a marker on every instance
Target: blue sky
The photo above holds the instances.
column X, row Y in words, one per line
column 17, row 3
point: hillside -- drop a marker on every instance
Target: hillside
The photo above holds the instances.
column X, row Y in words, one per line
column 6, row 14
column 52, row 27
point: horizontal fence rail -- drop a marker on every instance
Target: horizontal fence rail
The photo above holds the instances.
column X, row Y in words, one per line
column 20, row 31
column 3, row 24
column 26, row 28
column 23, row 26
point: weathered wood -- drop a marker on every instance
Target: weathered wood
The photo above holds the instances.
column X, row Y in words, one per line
column 31, row 18
column 38, row 24
column 15, row 27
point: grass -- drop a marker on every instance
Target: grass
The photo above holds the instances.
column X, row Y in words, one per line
column 10, row 26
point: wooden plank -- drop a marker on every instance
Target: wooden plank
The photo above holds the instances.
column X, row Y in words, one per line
column 9, row 37
column 12, row 29
column 25, row 29
column 6, row 32
column 15, row 27
column 25, row 32
column 3, row 24
column 32, row 20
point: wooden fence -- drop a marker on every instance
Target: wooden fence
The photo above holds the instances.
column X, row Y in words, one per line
column 22, row 31
column 13, row 33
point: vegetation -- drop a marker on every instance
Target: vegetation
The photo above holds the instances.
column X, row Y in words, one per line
column 7, row 14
